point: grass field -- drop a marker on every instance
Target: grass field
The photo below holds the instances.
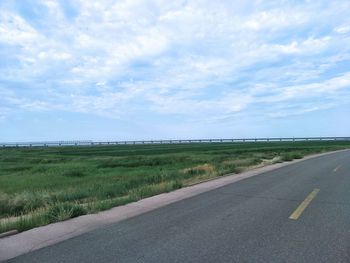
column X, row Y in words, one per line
column 39, row 186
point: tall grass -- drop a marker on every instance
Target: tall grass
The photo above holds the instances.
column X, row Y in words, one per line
column 43, row 185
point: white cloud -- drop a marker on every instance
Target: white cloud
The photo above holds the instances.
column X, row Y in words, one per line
column 297, row 111
column 14, row 30
column 343, row 29
column 308, row 46
column 276, row 19
column 327, row 87
column 184, row 57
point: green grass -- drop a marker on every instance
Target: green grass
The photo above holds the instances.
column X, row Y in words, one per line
column 44, row 185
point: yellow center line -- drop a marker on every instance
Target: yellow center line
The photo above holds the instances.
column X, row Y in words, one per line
column 296, row 214
column 336, row 168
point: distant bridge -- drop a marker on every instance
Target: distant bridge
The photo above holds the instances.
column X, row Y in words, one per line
column 96, row 143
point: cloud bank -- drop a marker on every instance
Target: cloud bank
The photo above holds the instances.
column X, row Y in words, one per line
column 195, row 61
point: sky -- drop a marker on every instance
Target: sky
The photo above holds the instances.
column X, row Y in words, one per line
column 133, row 69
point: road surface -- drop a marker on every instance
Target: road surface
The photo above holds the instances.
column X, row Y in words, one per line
column 298, row 213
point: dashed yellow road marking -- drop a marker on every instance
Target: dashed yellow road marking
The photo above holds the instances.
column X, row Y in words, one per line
column 297, row 213
column 336, row 168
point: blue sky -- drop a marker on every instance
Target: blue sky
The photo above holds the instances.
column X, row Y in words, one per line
column 173, row 69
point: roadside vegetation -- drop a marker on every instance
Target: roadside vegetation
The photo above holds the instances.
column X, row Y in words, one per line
column 39, row 186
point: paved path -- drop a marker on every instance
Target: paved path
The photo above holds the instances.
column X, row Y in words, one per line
column 297, row 213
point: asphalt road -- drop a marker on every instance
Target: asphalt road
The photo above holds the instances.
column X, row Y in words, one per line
column 248, row 221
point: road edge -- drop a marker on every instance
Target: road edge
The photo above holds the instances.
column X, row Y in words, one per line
column 36, row 238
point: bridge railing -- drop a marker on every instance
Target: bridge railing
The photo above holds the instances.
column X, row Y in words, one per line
column 177, row 141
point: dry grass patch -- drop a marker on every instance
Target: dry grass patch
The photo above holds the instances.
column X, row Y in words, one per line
column 199, row 173
column 264, row 162
column 199, row 169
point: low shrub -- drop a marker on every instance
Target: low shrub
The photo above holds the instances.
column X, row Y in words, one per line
column 291, row 156
column 74, row 173
column 139, row 161
column 22, row 203
column 23, row 222
column 199, row 170
column 64, row 211
column 225, row 168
